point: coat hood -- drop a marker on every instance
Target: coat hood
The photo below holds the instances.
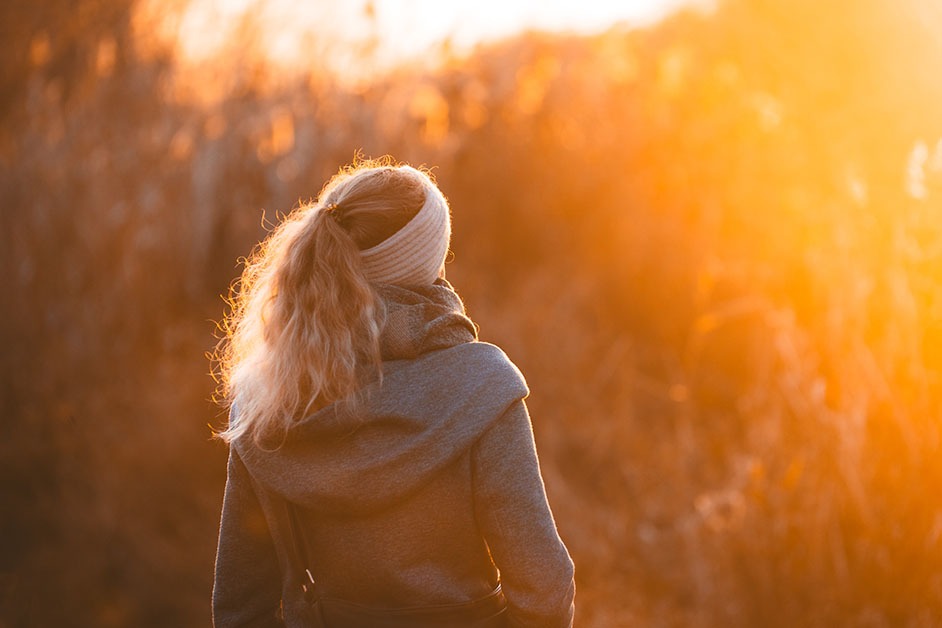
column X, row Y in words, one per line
column 439, row 394
column 426, row 413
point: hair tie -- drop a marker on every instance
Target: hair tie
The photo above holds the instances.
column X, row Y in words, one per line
column 332, row 210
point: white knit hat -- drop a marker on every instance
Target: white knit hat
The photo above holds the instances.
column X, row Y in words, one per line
column 414, row 255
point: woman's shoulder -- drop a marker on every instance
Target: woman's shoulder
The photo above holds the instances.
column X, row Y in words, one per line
column 477, row 371
column 485, row 353
column 475, row 361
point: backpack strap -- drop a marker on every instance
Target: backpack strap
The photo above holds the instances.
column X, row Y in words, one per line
column 298, row 554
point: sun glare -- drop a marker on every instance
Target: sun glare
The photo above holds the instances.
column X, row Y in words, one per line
column 366, row 36
column 712, row 238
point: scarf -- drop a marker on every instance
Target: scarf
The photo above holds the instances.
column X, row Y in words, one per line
column 422, row 319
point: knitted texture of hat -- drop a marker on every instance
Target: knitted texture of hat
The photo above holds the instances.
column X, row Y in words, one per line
column 414, row 255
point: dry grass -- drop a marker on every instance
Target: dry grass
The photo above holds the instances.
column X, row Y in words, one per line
column 713, row 247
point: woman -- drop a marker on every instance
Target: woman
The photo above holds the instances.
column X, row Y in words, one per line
column 382, row 470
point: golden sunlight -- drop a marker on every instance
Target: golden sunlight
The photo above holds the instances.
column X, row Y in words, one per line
column 376, row 34
column 707, row 231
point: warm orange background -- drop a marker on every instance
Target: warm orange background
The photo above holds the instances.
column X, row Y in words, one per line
column 713, row 245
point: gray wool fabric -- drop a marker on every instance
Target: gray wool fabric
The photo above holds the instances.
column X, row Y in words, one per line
column 428, row 494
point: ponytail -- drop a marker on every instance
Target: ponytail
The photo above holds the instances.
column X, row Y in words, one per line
column 304, row 326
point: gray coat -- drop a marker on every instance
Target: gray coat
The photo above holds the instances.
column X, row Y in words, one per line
column 427, row 495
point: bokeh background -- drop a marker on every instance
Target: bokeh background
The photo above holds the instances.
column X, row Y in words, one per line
column 713, row 243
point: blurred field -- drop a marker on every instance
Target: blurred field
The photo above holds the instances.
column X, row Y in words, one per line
column 712, row 245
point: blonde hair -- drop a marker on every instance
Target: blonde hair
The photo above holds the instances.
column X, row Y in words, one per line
column 304, row 324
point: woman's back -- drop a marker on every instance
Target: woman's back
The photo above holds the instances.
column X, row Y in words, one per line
column 421, row 490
